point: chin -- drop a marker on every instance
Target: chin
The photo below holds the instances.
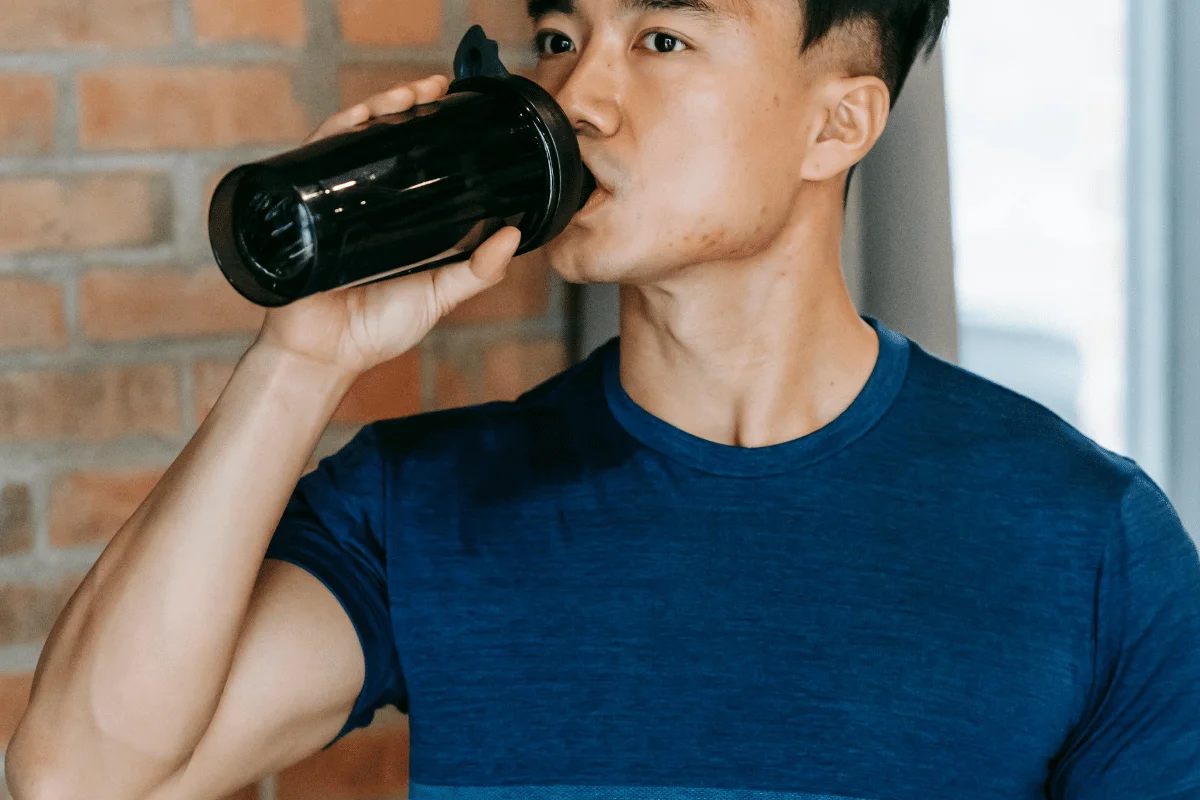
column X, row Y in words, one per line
column 584, row 272
column 580, row 259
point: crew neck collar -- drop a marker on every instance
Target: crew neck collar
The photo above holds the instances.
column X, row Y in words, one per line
column 868, row 407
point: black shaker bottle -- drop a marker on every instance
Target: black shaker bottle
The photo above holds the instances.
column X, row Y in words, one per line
column 405, row 192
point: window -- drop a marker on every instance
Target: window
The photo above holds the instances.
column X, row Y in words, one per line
column 1036, row 107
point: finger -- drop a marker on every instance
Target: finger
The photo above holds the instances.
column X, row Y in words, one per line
column 399, row 98
column 456, row 283
column 431, row 88
column 393, row 101
column 341, row 121
column 404, row 96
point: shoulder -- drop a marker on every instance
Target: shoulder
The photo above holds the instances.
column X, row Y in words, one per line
column 990, row 434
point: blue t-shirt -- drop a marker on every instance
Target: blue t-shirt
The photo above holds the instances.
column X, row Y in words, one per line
column 947, row 593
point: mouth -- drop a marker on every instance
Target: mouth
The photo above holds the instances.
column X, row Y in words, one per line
column 589, row 188
column 592, row 187
column 596, row 199
column 593, row 194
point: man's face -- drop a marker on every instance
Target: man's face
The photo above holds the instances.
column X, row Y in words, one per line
column 695, row 121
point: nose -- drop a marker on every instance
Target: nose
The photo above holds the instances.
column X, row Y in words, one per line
column 591, row 95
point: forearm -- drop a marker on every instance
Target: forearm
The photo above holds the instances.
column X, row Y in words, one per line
column 137, row 661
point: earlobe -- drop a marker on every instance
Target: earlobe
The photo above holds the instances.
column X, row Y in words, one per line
column 854, row 119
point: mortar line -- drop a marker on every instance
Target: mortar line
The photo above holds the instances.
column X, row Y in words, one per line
column 188, row 201
column 87, row 355
column 456, row 15
column 17, row 658
column 78, row 162
column 187, row 396
column 69, row 280
column 321, row 59
column 55, row 457
column 66, row 118
column 184, row 25
column 40, row 486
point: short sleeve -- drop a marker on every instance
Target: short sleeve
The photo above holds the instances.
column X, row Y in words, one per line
column 332, row 527
column 1141, row 737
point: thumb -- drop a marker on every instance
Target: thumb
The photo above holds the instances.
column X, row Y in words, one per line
column 456, row 283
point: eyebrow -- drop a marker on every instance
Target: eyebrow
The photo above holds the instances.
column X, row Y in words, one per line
column 700, row 8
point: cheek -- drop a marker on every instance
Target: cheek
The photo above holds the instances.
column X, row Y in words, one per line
column 715, row 190
column 704, row 184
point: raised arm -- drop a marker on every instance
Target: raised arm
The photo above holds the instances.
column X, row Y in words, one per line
column 185, row 665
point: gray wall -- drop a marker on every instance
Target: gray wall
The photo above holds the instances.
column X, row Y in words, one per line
column 907, row 253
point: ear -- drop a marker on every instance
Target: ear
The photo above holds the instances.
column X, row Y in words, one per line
column 853, row 114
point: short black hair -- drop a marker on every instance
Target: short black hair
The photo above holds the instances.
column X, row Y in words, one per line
column 902, row 29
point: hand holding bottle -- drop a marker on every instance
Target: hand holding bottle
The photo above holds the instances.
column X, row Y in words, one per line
column 354, row 329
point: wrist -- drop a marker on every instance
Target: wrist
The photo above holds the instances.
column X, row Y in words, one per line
column 316, row 379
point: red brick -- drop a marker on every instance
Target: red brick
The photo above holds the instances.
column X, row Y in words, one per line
column 31, row 314
column 14, row 697
column 83, row 212
column 27, row 113
column 506, row 21
column 16, row 520
column 390, row 390
column 388, row 22
column 357, row 82
column 49, row 24
column 88, row 507
column 208, row 381
column 369, row 763
column 164, row 108
column 524, row 293
column 453, row 390
column 28, row 610
column 90, row 405
column 280, row 21
column 124, row 304
column 513, row 367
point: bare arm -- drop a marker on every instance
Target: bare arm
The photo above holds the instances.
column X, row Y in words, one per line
column 185, row 666
column 296, row 673
column 133, row 670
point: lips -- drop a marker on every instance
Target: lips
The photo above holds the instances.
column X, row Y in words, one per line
column 589, row 186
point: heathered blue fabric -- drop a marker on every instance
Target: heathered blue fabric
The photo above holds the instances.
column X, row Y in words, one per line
column 947, row 592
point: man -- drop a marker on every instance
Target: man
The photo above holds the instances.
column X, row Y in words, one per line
column 758, row 544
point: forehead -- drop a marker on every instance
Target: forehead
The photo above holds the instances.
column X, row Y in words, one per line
column 716, row 10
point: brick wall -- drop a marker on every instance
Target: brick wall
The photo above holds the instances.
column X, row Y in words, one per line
column 117, row 333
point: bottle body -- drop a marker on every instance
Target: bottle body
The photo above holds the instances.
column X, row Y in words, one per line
column 400, row 194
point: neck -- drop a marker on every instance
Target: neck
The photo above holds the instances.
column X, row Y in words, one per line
column 753, row 352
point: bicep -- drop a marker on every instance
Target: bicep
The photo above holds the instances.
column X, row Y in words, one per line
column 296, row 673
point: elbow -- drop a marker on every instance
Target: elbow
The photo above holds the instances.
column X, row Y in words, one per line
column 29, row 769
column 40, row 765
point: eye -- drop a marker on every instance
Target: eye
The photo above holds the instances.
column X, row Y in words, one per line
column 559, row 44
column 673, row 44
